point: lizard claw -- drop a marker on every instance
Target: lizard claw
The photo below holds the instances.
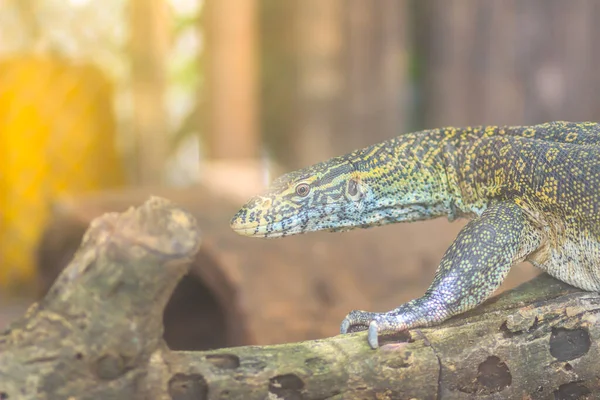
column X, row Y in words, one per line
column 356, row 321
column 372, row 336
column 345, row 326
column 375, row 323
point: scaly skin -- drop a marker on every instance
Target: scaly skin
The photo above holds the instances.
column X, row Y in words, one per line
column 532, row 193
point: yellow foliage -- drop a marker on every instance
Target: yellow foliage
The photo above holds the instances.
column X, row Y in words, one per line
column 57, row 136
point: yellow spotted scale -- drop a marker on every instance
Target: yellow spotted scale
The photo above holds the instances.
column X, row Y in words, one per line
column 530, row 192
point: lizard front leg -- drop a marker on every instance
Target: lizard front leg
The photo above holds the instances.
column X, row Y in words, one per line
column 470, row 271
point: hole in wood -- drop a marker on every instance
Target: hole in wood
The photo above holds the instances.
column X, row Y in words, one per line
column 571, row 390
column 493, row 375
column 288, row 386
column 188, row 387
column 569, row 344
column 224, row 361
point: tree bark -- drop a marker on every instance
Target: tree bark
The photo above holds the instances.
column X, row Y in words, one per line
column 98, row 334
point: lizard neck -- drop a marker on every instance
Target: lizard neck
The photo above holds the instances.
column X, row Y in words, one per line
column 405, row 179
column 470, row 187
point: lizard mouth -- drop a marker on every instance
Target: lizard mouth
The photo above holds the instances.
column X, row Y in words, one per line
column 255, row 230
column 284, row 227
column 245, row 229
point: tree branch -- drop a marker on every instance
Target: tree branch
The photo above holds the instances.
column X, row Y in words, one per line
column 97, row 334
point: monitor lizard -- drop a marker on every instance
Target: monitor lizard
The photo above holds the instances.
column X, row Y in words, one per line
column 531, row 193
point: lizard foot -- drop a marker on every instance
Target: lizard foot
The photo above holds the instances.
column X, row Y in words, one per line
column 376, row 323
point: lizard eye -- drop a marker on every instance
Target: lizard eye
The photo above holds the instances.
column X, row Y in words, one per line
column 302, row 189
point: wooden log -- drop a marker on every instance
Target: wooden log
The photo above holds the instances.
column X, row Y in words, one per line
column 535, row 342
column 97, row 334
column 97, row 328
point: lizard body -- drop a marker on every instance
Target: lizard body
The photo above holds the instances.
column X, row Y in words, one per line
column 531, row 193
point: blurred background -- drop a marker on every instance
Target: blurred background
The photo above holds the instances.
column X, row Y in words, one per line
column 103, row 103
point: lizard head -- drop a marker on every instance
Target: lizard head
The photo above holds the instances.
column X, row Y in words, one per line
column 366, row 188
column 310, row 199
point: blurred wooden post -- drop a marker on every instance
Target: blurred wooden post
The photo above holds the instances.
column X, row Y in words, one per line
column 149, row 23
column 352, row 68
column 232, row 96
column 376, row 68
column 320, row 79
column 510, row 62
